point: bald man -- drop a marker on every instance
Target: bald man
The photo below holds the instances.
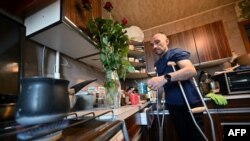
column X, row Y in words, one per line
column 168, row 79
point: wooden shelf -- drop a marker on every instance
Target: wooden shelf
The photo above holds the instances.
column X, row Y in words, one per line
column 138, row 64
column 135, row 43
column 136, row 75
column 136, row 53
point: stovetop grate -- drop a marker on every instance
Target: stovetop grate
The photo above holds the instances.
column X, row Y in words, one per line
column 39, row 131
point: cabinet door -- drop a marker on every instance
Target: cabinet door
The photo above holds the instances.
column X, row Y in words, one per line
column 211, row 42
column 73, row 10
column 185, row 41
column 245, row 33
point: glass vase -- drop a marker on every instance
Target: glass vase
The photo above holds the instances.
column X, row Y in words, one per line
column 113, row 90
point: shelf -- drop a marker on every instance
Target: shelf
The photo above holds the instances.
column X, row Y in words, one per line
column 138, row 64
column 135, row 43
column 136, row 53
column 136, row 75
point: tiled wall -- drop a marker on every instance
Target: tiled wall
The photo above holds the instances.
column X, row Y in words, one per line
column 227, row 14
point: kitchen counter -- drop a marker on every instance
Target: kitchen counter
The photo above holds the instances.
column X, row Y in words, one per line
column 236, row 102
column 95, row 124
column 234, row 96
column 115, row 114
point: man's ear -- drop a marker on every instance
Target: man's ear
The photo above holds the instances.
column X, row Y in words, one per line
column 167, row 41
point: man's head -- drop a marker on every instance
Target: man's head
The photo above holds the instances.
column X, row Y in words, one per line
column 159, row 43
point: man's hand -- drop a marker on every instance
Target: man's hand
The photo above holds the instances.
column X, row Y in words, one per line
column 156, row 82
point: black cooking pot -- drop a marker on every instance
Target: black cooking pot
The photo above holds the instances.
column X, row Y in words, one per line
column 42, row 100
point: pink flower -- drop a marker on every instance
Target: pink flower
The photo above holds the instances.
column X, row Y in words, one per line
column 108, row 6
column 124, row 21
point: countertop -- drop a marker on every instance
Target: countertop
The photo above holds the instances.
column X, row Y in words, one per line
column 234, row 96
column 114, row 114
column 125, row 111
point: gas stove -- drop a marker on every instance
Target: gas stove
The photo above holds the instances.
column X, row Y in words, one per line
column 72, row 127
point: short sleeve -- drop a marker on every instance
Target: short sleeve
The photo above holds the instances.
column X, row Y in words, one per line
column 178, row 54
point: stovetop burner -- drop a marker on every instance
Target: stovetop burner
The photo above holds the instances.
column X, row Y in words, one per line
column 45, row 131
column 32, row 131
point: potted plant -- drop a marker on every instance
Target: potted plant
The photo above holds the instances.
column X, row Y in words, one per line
column 112, row 42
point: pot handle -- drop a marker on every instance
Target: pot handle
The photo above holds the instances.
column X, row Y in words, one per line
column 74, row 89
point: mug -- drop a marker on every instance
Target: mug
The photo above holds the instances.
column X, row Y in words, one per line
column 142, row 88
column 134, row 98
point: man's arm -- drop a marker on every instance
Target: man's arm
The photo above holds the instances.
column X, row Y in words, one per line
column 185, row 72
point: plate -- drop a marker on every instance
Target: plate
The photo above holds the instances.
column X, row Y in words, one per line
column 135, row 33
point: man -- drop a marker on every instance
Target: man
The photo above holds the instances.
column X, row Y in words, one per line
column 175, row 103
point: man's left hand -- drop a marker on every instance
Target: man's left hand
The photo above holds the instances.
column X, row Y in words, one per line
column 156, row 82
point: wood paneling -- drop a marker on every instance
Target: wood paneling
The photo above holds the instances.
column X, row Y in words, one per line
column 73, row 9
column 211, row 42
column 132, row 127
column 205, row 43
column 245, row 37
column 184, row 40
column 151, row 58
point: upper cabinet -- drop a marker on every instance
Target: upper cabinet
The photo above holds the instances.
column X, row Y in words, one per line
column 73, row 10
column 207, row 44
column 211, row 42
column 245, row 33
column 186, row 41
column 60, row 26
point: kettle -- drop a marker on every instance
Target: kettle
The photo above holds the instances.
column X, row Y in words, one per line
column 205, row 81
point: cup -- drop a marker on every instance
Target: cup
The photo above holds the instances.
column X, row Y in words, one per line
column 142, row 88
column 134, row 98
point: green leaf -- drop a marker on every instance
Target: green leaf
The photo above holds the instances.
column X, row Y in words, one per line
column 113, row 45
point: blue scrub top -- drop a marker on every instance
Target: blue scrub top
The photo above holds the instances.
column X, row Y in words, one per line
column 173, row 93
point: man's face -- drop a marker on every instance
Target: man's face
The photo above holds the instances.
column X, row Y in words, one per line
column 159, row 43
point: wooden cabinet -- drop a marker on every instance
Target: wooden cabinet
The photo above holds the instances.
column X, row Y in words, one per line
column 211, row 42
column 60, row 26
column 237, row 112
column 151, row 57
column 245, row 33
column 73, row 10
column 186, row 41
column 205, row 43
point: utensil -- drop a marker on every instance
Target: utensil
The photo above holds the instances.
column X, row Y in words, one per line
column 74, row 89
